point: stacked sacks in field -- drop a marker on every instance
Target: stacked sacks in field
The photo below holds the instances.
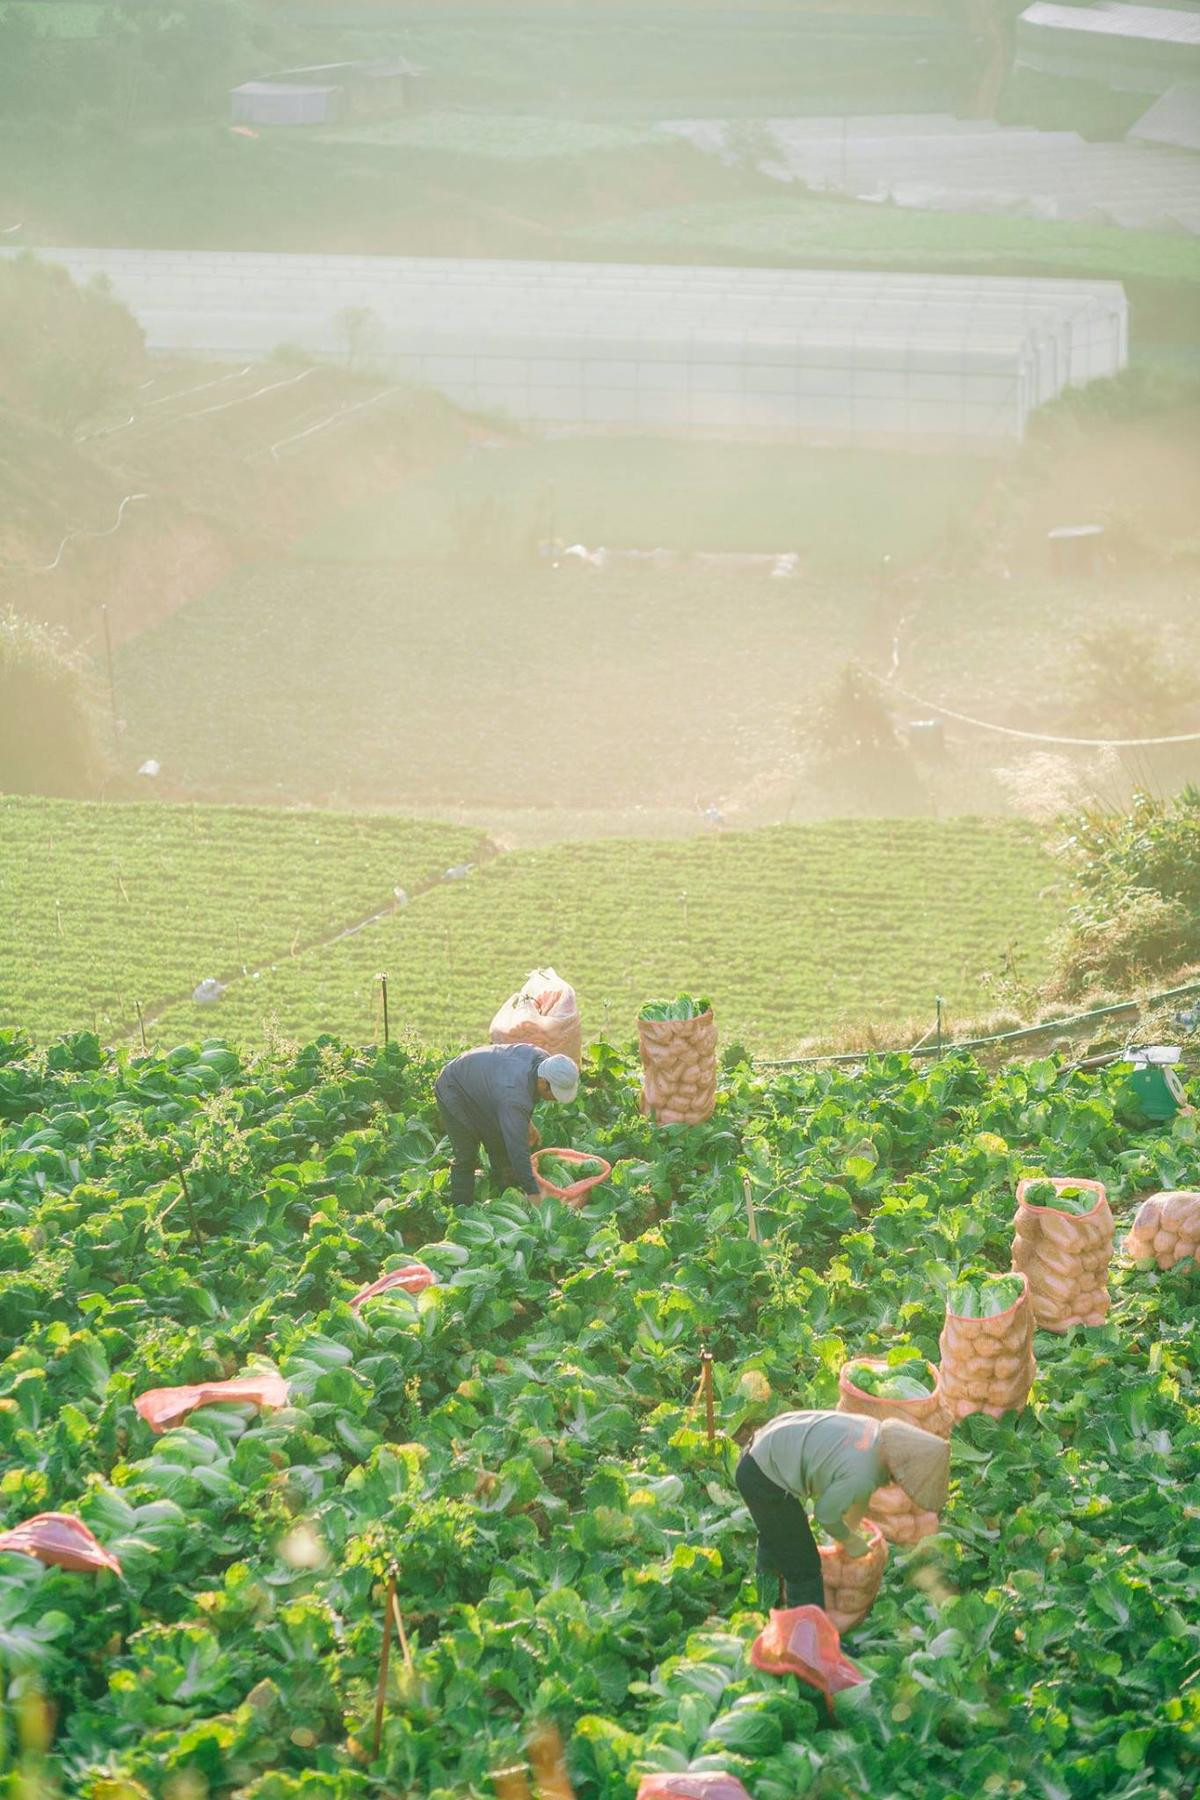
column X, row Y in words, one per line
column 545, row 1013
column 678, row 1044
column 1166, row 1228
column 1062, row 1240
column 987, row 1347
column 911, row 1391
column 852, row 1582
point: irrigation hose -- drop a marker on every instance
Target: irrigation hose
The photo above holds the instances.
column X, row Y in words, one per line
column 1048, row 1028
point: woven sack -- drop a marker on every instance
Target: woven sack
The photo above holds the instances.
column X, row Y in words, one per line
column 679, row 1069
column 61, row 1541
column 163, row 1407
column 545, row 1013
column 988, row 1364
column 852, row 1582
column 712, row 1785
column 577, row 1194
column 900, row 1520
column 803, row 1641
column 1065, row 1257
column 412, row 1279
column 1167, row 1228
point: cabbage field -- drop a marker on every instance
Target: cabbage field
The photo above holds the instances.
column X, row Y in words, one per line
column 796, row 927
column 521, row 1445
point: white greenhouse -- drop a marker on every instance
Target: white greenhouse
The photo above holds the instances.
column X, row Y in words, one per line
column 812, row 355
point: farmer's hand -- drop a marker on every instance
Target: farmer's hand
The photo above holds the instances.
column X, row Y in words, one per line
column 535, row 1136
column 856, row 1546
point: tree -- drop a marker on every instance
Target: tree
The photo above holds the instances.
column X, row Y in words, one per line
column 70, row 351
column 49, row 712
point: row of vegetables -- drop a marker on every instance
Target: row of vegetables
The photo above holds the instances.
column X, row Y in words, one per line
column 519, row 1439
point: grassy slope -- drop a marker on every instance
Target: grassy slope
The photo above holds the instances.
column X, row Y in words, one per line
column 789, row 930
column 102, row 906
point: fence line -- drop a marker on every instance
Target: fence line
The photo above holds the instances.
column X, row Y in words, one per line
column 1048, row 1028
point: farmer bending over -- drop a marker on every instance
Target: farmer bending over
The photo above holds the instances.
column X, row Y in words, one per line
column 487, row 1097
column 836, row 1460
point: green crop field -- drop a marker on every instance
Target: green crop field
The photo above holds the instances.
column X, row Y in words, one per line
column 105, row 906
column 790, row 930
column 523, row 1450
column 428, row 685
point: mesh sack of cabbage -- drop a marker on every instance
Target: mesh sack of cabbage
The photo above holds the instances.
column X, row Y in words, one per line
column 910, row 1390
column 853, row 1582
column 987, row 1347
column 545, row 1013
column 678, row 1044
column 1062, row 1240
column 1166, row 1229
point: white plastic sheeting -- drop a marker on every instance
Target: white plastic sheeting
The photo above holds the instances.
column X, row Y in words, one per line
column 805, row 354
column 937, row 163
column 1140, row 48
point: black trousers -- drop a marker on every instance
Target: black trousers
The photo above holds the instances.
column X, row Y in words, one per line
column 464, row 1150
column 786, row 1546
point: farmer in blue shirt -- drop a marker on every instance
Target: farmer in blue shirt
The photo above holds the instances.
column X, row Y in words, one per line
column 487, row 1097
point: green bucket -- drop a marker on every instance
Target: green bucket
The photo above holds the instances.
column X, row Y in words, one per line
column 1155, row 1087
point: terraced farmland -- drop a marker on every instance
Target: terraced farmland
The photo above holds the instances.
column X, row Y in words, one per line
column 790, row 930
column 103, row 906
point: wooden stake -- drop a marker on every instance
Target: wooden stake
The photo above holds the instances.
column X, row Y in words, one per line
column 187, row 1194
column 141, row 1025
column 384, row 1653
column 402, row 1634
column 706, row 1376
column 387, row 1035
column 751, row 1221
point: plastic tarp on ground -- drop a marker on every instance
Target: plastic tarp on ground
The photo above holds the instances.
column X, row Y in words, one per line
column 813, row 355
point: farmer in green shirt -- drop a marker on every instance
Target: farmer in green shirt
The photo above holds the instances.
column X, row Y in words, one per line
column 836, row 1460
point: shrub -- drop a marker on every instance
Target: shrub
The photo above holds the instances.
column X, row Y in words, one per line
column 1139, row 913
column 49, row 712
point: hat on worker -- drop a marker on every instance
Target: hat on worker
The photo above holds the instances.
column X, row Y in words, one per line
column 562, row 1075
column 918, row 1461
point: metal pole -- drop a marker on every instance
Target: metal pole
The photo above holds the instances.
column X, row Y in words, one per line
column 938, row 1051
column 112, row 680
column 141, row 1026
column 387, row 1037
column 706, row 1363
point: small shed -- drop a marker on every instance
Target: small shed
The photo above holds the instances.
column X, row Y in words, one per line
column 326, row 93
column 287, row 103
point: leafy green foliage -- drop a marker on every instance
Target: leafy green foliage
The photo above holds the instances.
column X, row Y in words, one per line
column 102, row 906
column 984, row 1299
column 1139, row 911
column 521, row 1442
column 911, row 1379
column 685, row 1007
column 49, row 712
